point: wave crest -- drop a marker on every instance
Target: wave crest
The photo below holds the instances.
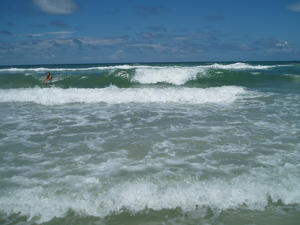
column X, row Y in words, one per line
column 238, row 65
column 45, row 203
column 172, row 75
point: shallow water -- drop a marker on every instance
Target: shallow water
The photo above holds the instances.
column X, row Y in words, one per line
column 172, row 146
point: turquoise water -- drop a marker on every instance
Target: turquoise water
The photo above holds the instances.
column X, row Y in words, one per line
column 168, row 143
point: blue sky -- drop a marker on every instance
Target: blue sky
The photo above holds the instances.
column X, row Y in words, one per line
column 100, row 31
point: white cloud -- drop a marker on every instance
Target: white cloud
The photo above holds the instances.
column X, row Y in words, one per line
column 154, row 46
column 57, row 6
column 294, row 7
column 56, row 33
column 101, row 41
column 282, row 44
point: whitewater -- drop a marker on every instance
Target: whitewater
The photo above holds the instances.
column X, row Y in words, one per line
column 152, row 143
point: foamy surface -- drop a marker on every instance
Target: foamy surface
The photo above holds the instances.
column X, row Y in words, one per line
column 114, row 95
column 173, row 145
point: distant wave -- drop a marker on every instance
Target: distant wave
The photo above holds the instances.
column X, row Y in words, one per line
column 114, row 95
column 45, row 69
column 125, row 76
column 234, row 66
column 241, row 66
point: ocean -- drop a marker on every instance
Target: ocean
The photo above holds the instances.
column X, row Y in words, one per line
column 150, row 143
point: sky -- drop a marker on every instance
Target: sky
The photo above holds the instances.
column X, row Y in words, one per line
column 120, row 31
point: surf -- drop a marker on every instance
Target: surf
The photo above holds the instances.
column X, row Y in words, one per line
column 236, row 66
column 125, row 76
column 90, row 198
column 115, row 95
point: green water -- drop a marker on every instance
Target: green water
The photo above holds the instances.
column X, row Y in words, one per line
column 147, row 144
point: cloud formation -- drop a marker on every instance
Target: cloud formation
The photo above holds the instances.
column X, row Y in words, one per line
column 155, row 43
column 272, row 44
column 55, row 33
column 62, row 7
column 294, row 7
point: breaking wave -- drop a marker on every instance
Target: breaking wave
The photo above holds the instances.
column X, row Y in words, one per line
column 114, row 95
column 125, row 76
column 91, row 198
column 234, row 66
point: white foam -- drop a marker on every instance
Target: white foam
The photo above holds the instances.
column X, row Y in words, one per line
column 233, row 66
column 173, row 75
column 45, row 69
column 239, row 66
column 179, row 75
column 114, row 95
column 88, row 196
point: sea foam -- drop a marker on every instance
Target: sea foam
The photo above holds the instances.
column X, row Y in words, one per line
column 45, row 203
column 114, row 95
column 233, row 66
column 45, row 69
column 173, row 75
column 239, row 66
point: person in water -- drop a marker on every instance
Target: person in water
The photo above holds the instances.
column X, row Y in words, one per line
column 48, row 77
